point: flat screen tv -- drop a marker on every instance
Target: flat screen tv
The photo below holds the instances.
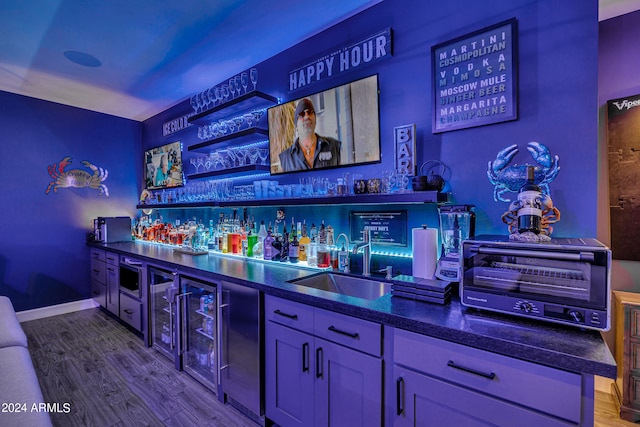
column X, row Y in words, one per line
column 333, row 128
column 163, row 166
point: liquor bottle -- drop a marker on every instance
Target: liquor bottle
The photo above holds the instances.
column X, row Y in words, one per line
column 322, row 234
column 303, row 248
column 262, row 233
column 268, row 249
column 313, row 233
column 211, row 244
column 530, row 205
column 294, row 249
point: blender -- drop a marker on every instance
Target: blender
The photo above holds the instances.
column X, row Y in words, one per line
column 457, row 223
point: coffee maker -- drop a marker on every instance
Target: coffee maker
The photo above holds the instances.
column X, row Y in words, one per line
column 457, row 223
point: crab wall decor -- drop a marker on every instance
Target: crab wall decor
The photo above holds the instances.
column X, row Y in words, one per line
column 77, row 178
column 507, row 178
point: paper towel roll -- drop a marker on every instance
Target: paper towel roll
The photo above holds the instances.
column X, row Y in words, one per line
column 425, row 252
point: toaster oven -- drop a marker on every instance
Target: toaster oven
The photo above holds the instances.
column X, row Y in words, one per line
column 567, row 280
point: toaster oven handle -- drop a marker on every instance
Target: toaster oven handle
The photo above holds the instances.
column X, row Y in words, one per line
column 564, row 256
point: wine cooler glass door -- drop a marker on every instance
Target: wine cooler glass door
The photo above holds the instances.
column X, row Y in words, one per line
column 200, row 354
column 163, row 288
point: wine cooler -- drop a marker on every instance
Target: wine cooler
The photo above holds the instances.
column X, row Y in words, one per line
column 184, row 316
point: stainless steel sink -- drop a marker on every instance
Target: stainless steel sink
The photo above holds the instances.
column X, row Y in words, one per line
column 359, row 287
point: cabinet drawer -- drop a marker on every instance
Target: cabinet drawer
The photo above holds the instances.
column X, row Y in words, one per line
column 131, row 311
column 111, row 258
column 358, row 334
column 97, row 254
column 98, row 270
column 289, row 313
column 549, row 390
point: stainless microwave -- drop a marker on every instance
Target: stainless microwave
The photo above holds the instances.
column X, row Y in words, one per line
column 567, row 280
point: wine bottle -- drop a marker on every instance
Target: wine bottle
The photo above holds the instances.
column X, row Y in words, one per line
column 530, row 206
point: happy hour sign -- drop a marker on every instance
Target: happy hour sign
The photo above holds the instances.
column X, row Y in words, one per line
column 475, row 79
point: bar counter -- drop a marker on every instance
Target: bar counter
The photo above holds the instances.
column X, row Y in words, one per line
column 557, row 346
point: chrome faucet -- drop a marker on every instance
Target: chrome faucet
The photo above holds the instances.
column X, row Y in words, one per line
column 366, row 252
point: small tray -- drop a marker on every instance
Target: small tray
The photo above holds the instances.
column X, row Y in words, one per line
column 190, row 251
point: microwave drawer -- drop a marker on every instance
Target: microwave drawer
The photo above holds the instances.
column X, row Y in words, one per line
column 550, row 390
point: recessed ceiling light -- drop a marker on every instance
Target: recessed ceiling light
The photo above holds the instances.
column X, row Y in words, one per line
column 82, row 58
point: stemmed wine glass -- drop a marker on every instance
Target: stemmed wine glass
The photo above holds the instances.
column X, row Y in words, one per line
column 231, row 125
column 212, row 97
column 225, row 92
column 249, row 119
column 254, row 154
column 218, row 93
column 199, row 162
column 238, row 84
column 238, row 121
column 222, row 127
column 193, row 161
column 244, row 80
column 254, row 77
column 257, row 114
column 208, row 162
column 232, row 87
column 194, row 103
column 264, row 155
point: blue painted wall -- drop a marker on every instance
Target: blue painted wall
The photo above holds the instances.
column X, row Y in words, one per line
column 43, row 259
column 557, row 67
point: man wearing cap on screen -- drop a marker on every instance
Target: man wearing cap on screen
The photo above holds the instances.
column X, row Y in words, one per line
column 309, row 150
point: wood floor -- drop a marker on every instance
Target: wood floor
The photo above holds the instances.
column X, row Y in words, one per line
column 91, row 361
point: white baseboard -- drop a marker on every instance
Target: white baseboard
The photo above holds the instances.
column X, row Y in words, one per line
column 54, row 310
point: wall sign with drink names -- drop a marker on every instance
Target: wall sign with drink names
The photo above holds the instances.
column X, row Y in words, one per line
column 475, row 78
column 388, row 228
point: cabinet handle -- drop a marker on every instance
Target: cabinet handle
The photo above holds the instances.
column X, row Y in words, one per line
column 319, row 362
column 341, row 332
column 490, row 375
column 128, row 311
column 305, row 357
column 400, row 396
column 287, row 315
column 96, row 292
column 95, row 270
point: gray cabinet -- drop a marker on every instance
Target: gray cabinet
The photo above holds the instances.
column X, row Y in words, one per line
column 322, row 368
column 441, row 383
column 112, row 282
column 98, row 276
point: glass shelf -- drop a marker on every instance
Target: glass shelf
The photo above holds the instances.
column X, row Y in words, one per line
column 360, row 199
column 249, row 101
column 245, row 136
column 231, row 172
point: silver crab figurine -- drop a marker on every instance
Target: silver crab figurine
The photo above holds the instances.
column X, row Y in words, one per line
column 507, row 178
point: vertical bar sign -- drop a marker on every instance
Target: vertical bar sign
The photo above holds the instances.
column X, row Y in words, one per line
column 405, row 144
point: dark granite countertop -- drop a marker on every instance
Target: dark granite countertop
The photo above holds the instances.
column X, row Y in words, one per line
column 557, row 346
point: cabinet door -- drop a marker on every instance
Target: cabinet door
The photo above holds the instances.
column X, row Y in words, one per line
column 99, row 292
column 289, row 376
column 348, row 390
column 425, row 401
column 113, row 291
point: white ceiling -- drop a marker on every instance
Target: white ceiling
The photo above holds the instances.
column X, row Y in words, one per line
column 154, row 53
